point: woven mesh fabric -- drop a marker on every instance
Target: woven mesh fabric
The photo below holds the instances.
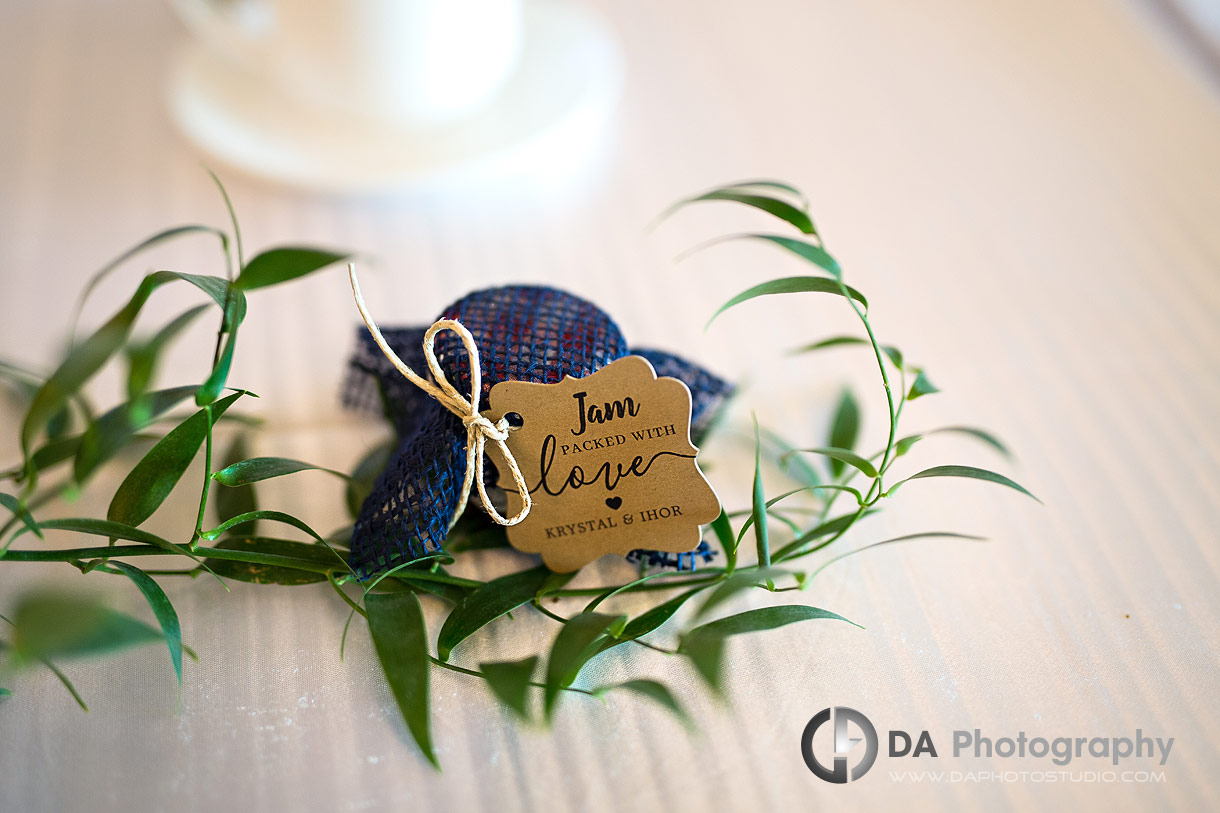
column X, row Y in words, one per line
column 523, row 333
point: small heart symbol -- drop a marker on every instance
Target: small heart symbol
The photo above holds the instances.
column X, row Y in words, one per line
column 614, row 502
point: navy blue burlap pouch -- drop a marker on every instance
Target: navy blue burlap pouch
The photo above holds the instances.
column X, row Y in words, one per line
column 523, row 333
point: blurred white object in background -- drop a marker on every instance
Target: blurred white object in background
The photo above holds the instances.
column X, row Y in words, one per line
column 378, row 95
column 413, row 61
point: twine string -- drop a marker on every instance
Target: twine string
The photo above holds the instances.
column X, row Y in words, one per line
column 479, row 428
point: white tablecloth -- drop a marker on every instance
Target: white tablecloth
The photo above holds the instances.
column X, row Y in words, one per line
column 1027, row 191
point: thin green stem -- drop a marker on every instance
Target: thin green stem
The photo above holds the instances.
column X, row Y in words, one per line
column 207, row 478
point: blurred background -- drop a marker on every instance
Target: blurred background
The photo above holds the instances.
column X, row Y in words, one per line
column 1026, row 191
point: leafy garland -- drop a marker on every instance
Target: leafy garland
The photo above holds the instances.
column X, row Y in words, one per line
column 46, row 627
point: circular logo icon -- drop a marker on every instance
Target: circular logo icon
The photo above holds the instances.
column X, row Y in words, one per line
column 844, row 744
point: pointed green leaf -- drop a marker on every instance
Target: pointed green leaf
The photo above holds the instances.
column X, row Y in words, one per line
column 832, row 527
column 85, row 360
column 793, row 465
column 978, row 434
column 758, row 513
column 255, row 469
column 895, row 355
column 14, row 505
column 160, row 237
column 963, row 471
column 283, row 264
column 724, row 534
column 396, row 623
column 486, row 604
column 742, row 580
column 285, row 560
column 806, row 251
column 576, row 644
column 162, row 608
column 653, row 619
column 906, row 538
column 80, row 701
column 142, row 358
column 844, row 430
column 235, row 312
column 232, row 502
column 846, row 456
column 771, row 205
column 113, row 530
column 791, row 285
column 922, row 386
column 510, row 682
column 704, row 645
column 154, row 477
column 53, row 625
column 653, row 690
column 111, row 432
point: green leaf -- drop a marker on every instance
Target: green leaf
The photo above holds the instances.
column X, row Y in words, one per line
column 844, row 430
column 922, row 386
column 162, row 608
column 895, row 355
column 575, row 645
column 396, row 623
column 85, row 360
column 653, row 690
column 113, row 530
column 791, row 285
column 160, row 237
column 232, row 502
column 283, row 264
column 963, row 471
column 154, row 477
column 510, row 682
column 13, row 504
column 970, row 431
column 742, row 580
column 486, row 604
column 903, row 445
column 906, row 538
column 771, row 205
column 235, row 312
column 5, row 692
column 106, row 436
column 281, row 571
column 758, row 513
column 829, row 528
column 250, row 517
column 80, row 701
column 792, row 465
column 54, row 625
column 704, row 645
column 142, row 358
column 255, row 469
column 365, row 475
column 724, row 534
column 806, row 251
column 54, row 452
column 652, row 620
column 845, row 456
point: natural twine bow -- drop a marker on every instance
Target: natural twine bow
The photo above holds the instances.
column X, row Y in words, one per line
column 479, row 429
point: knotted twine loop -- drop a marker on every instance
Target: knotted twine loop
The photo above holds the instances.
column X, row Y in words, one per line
column 479, row 428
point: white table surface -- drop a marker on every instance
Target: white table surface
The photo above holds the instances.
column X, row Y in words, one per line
column 1027, row 191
